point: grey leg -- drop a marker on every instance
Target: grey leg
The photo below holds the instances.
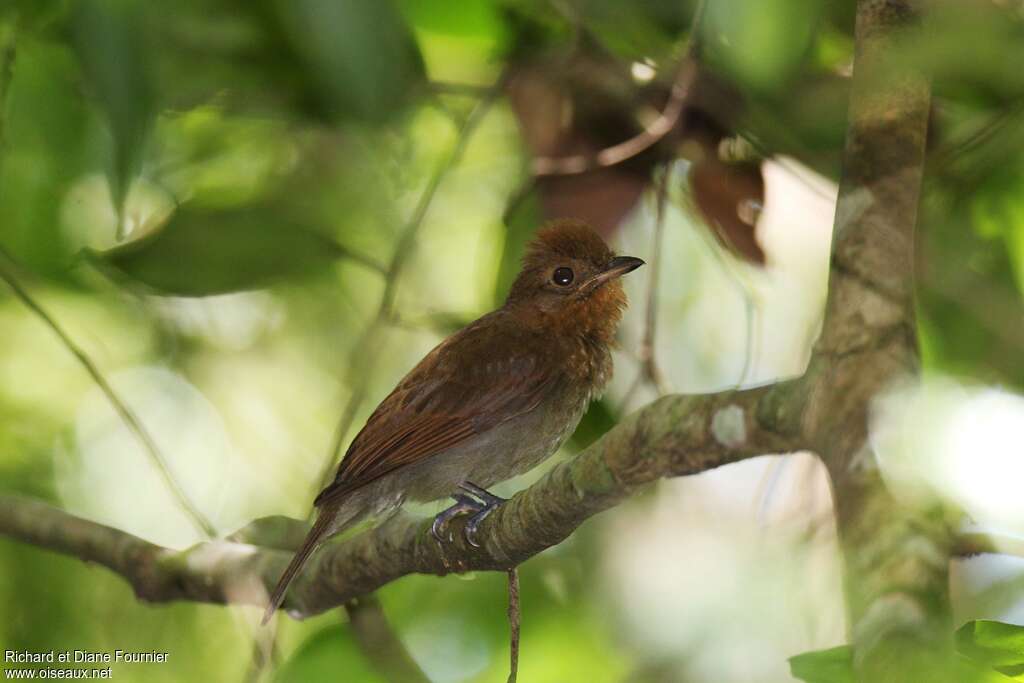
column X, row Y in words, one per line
column 490, row 504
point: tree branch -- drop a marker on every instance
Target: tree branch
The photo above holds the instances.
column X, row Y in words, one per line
column 379, row 642
column 627, row 149
column 686, row 76
column 674, row 436
column 896, row 556
column 971, row 543
column 8, row 274
column 896, row 559
column 649, row 369
column 124, row 412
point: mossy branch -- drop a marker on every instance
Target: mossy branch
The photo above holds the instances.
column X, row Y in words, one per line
column 674, row 436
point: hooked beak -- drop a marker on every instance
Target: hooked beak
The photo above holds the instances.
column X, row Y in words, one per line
column 616, row 268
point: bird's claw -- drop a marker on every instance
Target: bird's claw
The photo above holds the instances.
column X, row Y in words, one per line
column 474, row 522
column 464, row 504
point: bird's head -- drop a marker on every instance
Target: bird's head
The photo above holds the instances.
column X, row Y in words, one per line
column 571, row 275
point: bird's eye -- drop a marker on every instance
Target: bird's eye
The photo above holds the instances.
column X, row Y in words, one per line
column 562, row 276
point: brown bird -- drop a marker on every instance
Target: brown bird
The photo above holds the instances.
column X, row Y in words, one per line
column 489, row 402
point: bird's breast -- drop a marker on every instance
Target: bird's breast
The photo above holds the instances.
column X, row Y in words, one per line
column 589, row 365
column 525, row 441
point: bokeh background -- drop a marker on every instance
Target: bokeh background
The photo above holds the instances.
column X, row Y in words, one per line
column 253, row 217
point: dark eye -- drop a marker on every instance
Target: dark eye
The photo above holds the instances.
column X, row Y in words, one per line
column 562, row 276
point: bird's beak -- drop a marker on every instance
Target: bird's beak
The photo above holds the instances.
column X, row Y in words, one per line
column 616, row 268
column 620, row 265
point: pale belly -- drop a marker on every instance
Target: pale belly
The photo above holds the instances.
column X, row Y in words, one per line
column 510, row 449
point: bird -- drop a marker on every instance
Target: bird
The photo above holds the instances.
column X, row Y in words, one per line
column 488, row 403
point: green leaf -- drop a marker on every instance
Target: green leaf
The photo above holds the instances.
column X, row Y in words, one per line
column 969, row 52
column 966, row 670
column 969, row 293
column 330, row 655
column 362, row 55
column 993, row 643
column 649, row 30
column 834, row 665
column 476, row 18
column 201, row 252
column 111, row 42
column 998, row 212
column 46, row 133
column 761, row 42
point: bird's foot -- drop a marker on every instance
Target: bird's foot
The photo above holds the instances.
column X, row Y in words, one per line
column 489, row 503
column 463, row 505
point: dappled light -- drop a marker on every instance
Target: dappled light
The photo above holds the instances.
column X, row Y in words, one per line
column 228, row 231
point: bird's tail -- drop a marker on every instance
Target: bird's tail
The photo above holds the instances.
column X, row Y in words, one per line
column 316, row 536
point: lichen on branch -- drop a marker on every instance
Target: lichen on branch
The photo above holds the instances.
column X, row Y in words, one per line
column 674, row 436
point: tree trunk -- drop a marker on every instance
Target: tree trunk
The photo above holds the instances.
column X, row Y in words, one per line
column 895, row 558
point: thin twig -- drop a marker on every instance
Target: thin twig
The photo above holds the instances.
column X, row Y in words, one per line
column 696, row 44
column 514, row 620
column 750, row 319
column 385, row 310
column 733, row 270
column 362, row 259
column 949, row 152
column 264, row 644
column 379, row 643
column 131, row 421
column 641, row 142
column 355, row 400
column 403, row 248
column 649, row 370
column 8, row 272
column 974, row 542
column 265, row 653
column 650, row 365
column 651, row 134
column 673, row 436
column 439, row 322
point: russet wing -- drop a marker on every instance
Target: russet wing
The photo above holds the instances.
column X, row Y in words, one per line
column 473, row 381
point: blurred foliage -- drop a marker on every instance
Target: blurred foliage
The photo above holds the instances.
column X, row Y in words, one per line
column 213, row 189
column 111, row 45
column 225, row 251
column 834, row 665
column 326, row 655
column 995, row 644
column 762, row 43
column 362, row 56
column 989, row 652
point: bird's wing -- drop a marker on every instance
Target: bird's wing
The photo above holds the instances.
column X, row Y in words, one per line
column 470, row 383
